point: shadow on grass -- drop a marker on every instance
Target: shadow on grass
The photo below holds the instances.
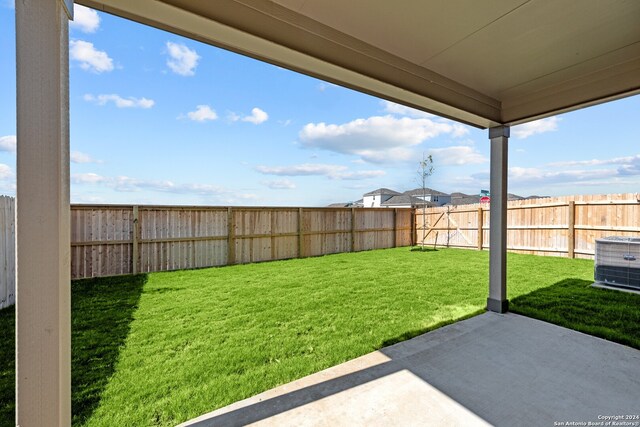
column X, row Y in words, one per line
column 102, row 312
column 416, row 332
column 575, row 304
column 422, row 249
column 7, row 366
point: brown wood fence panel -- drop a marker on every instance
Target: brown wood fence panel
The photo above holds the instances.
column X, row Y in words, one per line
column 375, row 229
column 122, row 239
column 173, row 238
column 559, row 226
column 101, row 241
column 326, row 232
column 115, row 239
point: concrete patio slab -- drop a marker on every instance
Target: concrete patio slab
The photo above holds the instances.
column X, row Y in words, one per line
column 504, row 370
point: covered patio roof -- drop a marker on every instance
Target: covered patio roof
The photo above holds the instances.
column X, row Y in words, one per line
column 482, row 63
column 491, row 64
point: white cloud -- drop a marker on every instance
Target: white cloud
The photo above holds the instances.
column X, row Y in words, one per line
column 79, row 157
column 597, row 162
column 128, row 184
column 5, row 172
column 8, row 143
column 119, row 101
column 322, row 86
column 320, row 169
column 257, row 116
column 90, row 58
column 458, row 130
column 378, row 139
column 403, row 110
column 124, row 183
column 569, row 175
column 280, row 184
column 627, row 166
column 357, row 186
column 182, row 60
column 202, row 114
column 526, row 130
column 7, row 180
column 87, row 178
column 85, row 19
column 457, row 155
column 530, row 176
column 540, row 178
column 306, row 169
column 358, row 175
column 84, row 198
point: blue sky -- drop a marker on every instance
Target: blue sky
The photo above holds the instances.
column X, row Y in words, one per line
column 156, row 118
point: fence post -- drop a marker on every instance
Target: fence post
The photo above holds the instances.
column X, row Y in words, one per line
column 413, row 227
column 448, row 226
column 231, row 238
column 135, row 253
column 353, row 229
column 273, row 227
column 571, row 233
column 300, row 233
column 395, row 227
column 480, row 227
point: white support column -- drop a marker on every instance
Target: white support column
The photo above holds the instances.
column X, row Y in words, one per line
column 497, row 300
column 43, row 310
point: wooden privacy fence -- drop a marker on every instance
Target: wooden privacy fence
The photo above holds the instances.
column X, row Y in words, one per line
column 560, row 226
column 117, row 239
column 7, row 251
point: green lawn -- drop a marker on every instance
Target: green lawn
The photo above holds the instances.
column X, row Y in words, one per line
column 574, row 304
column 163, row 348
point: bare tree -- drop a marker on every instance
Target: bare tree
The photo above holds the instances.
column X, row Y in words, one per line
column 425, row 170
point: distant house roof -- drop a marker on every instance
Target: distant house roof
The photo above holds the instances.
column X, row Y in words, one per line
column 419, row 192
column 464, row 199
column 340, row 205
column 406, row 200
column 382, row 191
column 511, row 196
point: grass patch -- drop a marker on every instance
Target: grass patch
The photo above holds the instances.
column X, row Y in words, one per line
column 7, row 366
column 101, row 312
column 574, row 304
column 162, row 349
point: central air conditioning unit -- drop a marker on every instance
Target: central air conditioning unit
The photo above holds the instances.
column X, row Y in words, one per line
column 617, row 262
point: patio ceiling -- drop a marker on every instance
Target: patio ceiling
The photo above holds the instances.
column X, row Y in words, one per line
column 484, row 63
column 487, row 63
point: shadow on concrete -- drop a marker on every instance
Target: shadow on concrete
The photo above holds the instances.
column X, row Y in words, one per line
column 491, row 369
column 102, row 310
